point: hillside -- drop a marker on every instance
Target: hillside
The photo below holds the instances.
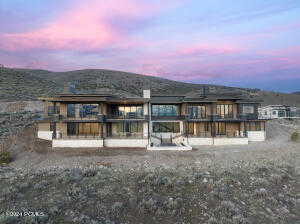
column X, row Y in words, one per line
column 28, row 84
column 17, row 85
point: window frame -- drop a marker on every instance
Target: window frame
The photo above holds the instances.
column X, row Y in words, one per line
column 225, row 110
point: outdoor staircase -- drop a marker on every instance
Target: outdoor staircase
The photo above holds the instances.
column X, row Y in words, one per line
column 176, row 143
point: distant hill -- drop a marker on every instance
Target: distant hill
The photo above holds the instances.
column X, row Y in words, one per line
column 18, row 85
column 28, row 84
column 298, row 93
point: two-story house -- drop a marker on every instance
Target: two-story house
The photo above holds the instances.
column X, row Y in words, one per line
column 278, row 111
column 114, row 119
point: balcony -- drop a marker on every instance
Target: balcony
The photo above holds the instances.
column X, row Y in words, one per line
column 226, row 117
column 79, row 137
column 227, row 134
column 174, row 117
column 93, row 118
column 50, row 117
column 246, row 117
column 128, row 116
column 127, row 135
column 197, row 117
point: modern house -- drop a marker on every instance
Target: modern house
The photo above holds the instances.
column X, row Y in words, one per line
column 114, row 118
column 278, row 111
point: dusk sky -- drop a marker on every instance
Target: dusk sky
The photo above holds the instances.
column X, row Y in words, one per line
column 245, row 43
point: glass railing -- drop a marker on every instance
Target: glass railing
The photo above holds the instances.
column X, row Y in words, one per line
column 126, row 135
column 126, row 116
column 197, row 116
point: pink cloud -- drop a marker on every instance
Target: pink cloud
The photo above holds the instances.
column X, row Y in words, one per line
column 206, row 49
column 206, row 62
column 185, row 60
column 84, row 27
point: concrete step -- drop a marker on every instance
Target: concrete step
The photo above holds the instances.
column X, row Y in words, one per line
column 168, row 144
column 169, row 148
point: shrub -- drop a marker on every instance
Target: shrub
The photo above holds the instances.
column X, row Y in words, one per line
column 5, row 157
column 295, row 136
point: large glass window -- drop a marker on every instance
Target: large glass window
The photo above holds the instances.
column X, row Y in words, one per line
column 225, row 110
column 123, row 128
column 173, row 127
column 126, row 111
column 253, row 126
column 88, row 110
column 190, row 128
column 165, row 110
column 197, row 112
column 220, row 128
column 70, row 110
column 248, row 109
column 83, row 129
column 53, row 110
column 281, row 113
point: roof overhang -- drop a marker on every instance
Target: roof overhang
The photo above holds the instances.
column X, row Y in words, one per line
column 73, row 99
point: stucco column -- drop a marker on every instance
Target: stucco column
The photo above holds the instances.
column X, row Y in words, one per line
column 181, row 127
column 145, row 108
column 63, row 109
column 145, row 129
column 183, row 109
column 235, row 110
column 104, row 129
column 45, row 108
column 77, row 114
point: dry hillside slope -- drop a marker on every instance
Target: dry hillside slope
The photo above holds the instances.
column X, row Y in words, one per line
column 27, row 84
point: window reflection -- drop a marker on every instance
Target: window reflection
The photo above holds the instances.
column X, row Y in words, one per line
column 173, row 127
column 71, row 110
column 126, row 111
column 197, row 112
column 125, row 128
column 165, row 110
column 88, row 110
column 225, row 110
column 53, row 110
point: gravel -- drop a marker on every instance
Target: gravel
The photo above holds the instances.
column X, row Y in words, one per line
column 256, row 183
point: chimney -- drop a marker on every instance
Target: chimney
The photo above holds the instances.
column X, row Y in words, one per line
column 147, row 93
column 66, row 88
column 204, row 91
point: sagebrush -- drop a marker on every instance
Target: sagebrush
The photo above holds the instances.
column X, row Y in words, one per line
column 5, row 157
column 295, row 136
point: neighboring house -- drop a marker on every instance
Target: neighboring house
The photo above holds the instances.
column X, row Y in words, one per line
column 119, row 119
column 278, row 111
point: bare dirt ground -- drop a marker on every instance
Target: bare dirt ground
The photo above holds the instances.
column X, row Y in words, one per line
column 277, row 146
column 256, row 183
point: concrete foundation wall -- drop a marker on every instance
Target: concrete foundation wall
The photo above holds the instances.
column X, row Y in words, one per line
column 77, row 143
column 200, row 141
column 47, row 135
column 256, row 136
column 126, row 142
column 230, row 141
